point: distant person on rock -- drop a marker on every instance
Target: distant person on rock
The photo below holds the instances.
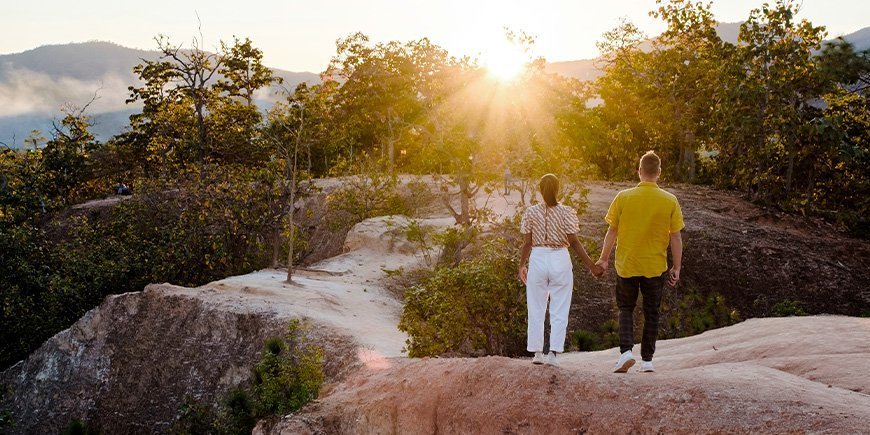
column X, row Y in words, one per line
column 545, row 267
column 643, row 221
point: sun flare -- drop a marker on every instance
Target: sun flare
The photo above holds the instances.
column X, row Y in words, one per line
column 504, row 61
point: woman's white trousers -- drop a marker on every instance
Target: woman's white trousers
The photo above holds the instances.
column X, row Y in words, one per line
column 550, row 276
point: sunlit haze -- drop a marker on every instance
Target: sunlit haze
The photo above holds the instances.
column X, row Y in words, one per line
column 300, row 36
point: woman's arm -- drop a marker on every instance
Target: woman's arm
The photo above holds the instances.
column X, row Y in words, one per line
column 581, row 252
column 524, row 257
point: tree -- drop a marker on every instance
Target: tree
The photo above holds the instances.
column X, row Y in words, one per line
column 198, row 106
column 777, row 62
column 293, row 127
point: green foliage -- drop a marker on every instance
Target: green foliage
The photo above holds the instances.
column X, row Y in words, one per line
column 787, row 308
column 288, row 375
column 7, row 421
column 606, row 337
column 475, row 307
column 693, row 312
column 195, row 417
column 202, row 230
column 77, row 427
column 367, row 192
column 771, row 115
column 198, row 108
column 584, row 341
column 609, row 334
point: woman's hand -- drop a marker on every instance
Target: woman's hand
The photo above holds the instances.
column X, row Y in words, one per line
column 601, row 268
column 523, row 273
column 597, row 270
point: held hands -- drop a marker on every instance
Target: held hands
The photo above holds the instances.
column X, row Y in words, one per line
column 599, row 268
column 523, row 273
column 673, row 276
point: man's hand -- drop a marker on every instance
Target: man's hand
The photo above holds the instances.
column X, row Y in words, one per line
column 523, row 273
column 673, row 276
column 601, row 268
column 596, row 270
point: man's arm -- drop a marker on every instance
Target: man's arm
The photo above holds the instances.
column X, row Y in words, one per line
column 524, row 257
column 609, row 243
column 677, row 251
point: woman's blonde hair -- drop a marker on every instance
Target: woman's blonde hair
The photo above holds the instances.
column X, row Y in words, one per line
column 549, row 186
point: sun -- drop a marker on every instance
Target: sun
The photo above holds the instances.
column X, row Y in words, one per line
column 504, row 61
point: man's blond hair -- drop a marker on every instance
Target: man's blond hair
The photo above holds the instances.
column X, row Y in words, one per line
column 650, row 163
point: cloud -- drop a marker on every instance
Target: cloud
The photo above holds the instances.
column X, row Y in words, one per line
column 24, row 91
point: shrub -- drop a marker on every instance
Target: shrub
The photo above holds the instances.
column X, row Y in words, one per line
column 195, row 417
column 77, row 427
column 288, row 375
column 693, row 313
column 476, row 307
column 367, row 193
column 609, row 334
column 787, row 308
column 584, row 340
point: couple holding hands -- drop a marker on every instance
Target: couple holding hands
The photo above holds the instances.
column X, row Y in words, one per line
column 643, row 220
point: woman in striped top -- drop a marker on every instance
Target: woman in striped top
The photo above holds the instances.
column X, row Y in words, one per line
column 545, row 267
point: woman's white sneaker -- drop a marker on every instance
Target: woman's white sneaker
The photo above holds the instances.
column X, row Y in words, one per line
column 626, row 360
column 539, row 358
column 551, row 360
column 646, row 366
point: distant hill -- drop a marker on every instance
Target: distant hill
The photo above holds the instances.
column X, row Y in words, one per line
column 35, row 84
column 588, row 69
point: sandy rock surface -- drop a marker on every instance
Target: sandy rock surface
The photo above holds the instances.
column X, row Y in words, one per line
column 787, row 375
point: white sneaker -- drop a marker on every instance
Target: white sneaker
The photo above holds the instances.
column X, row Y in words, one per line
column 646, row 366
column 551, row 360
column 626, row 360
column 539, row 358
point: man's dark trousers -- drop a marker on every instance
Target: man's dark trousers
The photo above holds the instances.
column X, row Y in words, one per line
column 626, row 298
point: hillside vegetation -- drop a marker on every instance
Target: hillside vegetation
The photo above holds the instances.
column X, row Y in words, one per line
column 218, row 184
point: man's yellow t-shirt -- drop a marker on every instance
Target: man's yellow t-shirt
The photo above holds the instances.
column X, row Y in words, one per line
column 645, row 216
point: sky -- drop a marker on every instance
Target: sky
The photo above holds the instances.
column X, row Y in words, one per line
column 300, row 36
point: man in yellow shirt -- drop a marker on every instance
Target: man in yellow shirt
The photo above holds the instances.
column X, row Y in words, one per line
column 643, row 221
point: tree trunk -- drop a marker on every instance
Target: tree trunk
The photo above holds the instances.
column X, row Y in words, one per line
column 200, row 125
column 391, row 151
column 789, row 172
column 292, row 220
column 811, row 184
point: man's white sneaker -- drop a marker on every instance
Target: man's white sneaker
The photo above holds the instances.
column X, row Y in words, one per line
column 551, row 360
column 539, row 358
column 626, row 360
column 646, row 366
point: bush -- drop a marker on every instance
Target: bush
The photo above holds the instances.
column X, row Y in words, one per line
column 367, row 193
column 787, row 308
column 693, row 313
column 288, row 375
column 191, row 232
column 584, row 341
column 476, row 307
column 77, row 427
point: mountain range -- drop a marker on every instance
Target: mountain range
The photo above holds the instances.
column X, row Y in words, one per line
column 36, row 84
column 588, row 69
